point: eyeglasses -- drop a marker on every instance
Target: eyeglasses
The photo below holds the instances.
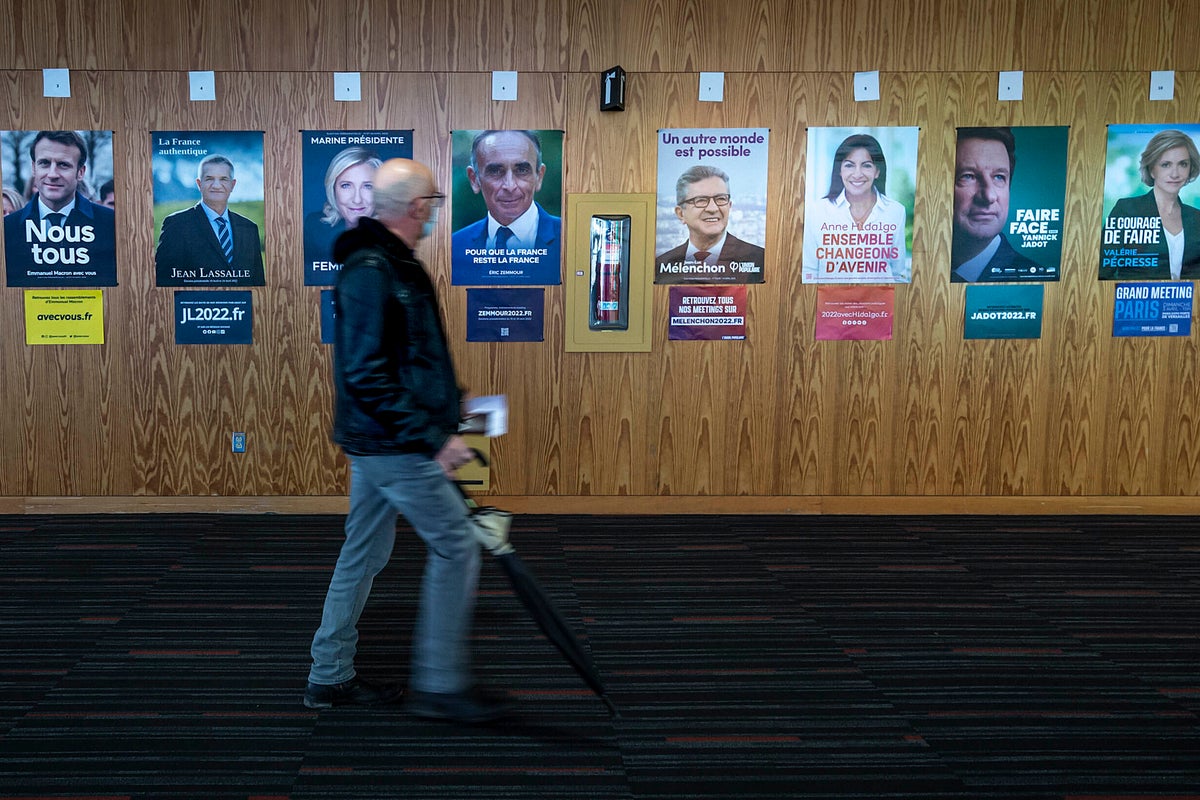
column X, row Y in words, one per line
column 721, row 200
column 435, row 200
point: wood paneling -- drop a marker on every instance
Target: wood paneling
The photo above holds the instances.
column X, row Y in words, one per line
column 591, row 35
column 926, row 421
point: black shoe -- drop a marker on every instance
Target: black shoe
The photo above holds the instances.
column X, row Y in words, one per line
column 473, row 705
column 354, row 692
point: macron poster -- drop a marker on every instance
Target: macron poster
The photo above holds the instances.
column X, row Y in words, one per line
column 59, row 223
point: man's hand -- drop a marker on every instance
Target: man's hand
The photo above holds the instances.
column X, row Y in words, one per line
column 454, row 454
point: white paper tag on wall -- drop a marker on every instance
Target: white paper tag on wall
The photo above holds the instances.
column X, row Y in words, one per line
column 347, row 86
column 202, row 85
column 56, row 83
column 504, row 85
column 866, row 86
column 1162, row 85
column 1012, row 85
column 712, row 87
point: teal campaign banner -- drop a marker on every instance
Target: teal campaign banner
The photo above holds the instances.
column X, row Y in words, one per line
column 1003, row 312
column 1153, row 309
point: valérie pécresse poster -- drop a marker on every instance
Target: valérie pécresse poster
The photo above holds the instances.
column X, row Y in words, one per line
column 1151, row 225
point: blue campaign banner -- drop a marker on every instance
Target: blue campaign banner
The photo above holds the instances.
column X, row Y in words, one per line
column 214, row 318
column 327, row 316
column 1153, row 309
column 1003, row 312
column 505, row 315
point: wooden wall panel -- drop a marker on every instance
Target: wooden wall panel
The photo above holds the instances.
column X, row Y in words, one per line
column 589, row 36
column 463, row 36
column 779, row 416
column 78, row 34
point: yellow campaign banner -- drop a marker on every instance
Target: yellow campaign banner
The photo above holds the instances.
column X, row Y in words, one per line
column 64, row 316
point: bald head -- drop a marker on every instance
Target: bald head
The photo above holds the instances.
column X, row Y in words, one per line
column 399, row 184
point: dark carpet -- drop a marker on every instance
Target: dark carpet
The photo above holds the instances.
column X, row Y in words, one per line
column 976, row 658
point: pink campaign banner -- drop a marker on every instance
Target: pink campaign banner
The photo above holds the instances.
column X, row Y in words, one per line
column 855, row 312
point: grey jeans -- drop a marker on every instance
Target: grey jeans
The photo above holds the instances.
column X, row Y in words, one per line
column 415, row 486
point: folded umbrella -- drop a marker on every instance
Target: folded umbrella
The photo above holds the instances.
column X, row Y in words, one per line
column 490, row 527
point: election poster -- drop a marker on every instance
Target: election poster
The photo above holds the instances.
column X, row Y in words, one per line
column 1003, row 312
column 699, row 313
column 1151, row 226
column 338, row 182
column 506, row 208
column 328, row 316
column 711, row 218
column 505, row 315
column 214, row 318
column 860, row 184
column 64, row 316
column 855, row 312
column 1010, row 184
column 1153, row 309
column 208, row 207
column 59, row 224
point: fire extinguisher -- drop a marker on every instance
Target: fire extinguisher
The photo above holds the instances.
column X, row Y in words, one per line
column 610, row 265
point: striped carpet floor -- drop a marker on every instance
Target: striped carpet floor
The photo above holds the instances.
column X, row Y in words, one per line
column 856, row 658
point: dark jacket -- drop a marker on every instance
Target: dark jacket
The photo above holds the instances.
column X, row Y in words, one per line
column 1006, row 264
column 394, row 383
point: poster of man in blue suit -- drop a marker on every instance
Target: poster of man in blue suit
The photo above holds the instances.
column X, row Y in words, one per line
column 62, row 235
column 507, row 208
column 215, row 239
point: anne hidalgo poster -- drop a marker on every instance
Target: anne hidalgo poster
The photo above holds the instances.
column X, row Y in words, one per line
column 861, row 186
column 339, row 178
column 1151, row 228
column 712, row 205
column 59, row 226
column 208, row 207
column 506, row 208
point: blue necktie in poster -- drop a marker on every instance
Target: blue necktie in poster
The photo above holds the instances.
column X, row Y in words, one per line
column 505, row 315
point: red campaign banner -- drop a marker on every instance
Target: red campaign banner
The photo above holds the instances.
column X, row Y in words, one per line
column 708, row 313
column 855, row 312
